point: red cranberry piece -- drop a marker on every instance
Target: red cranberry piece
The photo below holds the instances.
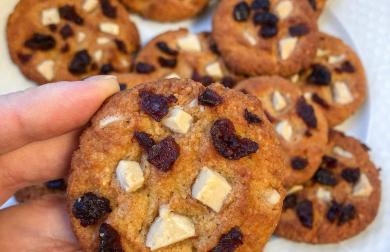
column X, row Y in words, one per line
column 58, row 184
column 230, row 241
column 108, row 9
column 317, row 99
column 121, row 45
column 268, row 31
column 24, row 58
column 346, row 67
column 329, row 162
column 306, row 112
column 69, row 13
column 109, row 239
column 320, row 75
column 206, row 80
column 298, row 30
column 39, row 41
column 265, row 18
column 313, row 4
column 166, row 49
column 210, row 98
column 106, row 69
column 52, row 27
column 251, row 117
column 261, row 5
column 333, row 212
column 299, row 163
column 144, row 68
column 241, row 11
column 80, row 62
column 228, row 144
column 290, row 201
column 90, row 208
column 351, row 175
column 325, row 177
column 122, row 86
column 304, row 211
column 164, row 154
column 154, row 105
column 167, row 63
column 228, row 81
column 66, row 31
column 347, row 213
column 144, row 139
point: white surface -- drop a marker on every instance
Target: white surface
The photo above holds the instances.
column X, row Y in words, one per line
column 363, row 24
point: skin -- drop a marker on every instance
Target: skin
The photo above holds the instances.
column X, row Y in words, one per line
column 39, row 130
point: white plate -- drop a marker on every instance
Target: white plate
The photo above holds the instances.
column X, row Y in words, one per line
column 365, row 25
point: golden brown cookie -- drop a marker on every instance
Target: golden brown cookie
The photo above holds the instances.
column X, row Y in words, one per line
column 69, row 39
column 167, row 10
column 182, row 54
column 300, row 125
column 174, row 166
column 37, row 191
column 340, row 201
column 266, row 37
column 336, row 80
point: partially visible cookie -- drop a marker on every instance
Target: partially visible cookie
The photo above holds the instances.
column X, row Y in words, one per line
column 336, row 79
column 37, row 191
column 69, row 39
column 182, row 54
column 300, row 125
column 340, row 201
column 167, row 10
column 266, row 37
column 174, row 166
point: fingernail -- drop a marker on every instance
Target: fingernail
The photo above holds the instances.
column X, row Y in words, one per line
column 101, row 77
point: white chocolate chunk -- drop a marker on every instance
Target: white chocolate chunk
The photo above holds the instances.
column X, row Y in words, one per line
column 189, row 43
column 90, row 5
column 341, row 152
column 169, row 228
column 295, row 189
column 81, row 36
column 172, row 76
column 109, row 27
column 284, row 9
column 211, row 189
column 286, row 47
column 125, row 62
column 324, row 195
column 214, row 69
column 252, row 40
column 50, row 16
column 102, row 40
column 109, row 120
column 271, row 196
column 336, row 59
column 178, row 120
column 341, row 93
column 278, row 101
column 363, row 187
column 129, row 175
column 321, row 53
column 295, row 78
column 46, row 69
column 284, row 129
column 98, row 55
column 193, row 103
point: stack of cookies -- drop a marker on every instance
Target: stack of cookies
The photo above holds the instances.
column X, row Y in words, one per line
column 218, row 139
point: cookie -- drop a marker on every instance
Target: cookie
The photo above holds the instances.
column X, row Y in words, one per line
column 300, row 125
column 266, row 37
column 167, row 10
column 70, row 40
column 174, row 166
column 37, row 191
column 182, row 54
column 336, row 80
column 340, row 201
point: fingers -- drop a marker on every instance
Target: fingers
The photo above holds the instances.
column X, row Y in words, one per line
column 41, row 225
column 35, row 163
column 50, row 110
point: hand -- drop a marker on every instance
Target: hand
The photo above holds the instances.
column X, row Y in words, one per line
column 39, row 130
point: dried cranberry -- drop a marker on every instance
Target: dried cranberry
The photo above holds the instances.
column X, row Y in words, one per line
column 214, row 48
column 58, row 184
column 164, row 154
column 251, row 117
column 39, row 41
column 333, row 212
column 351, row 175
column 261, row 5
column 69, row 13
column 66, row 31
column 206, row 80
column 65, row 48
column 325, row 177
column 144, row 68
column 304, row 210
column 228, row 144
column 228, row 81
column 24, row 58
column 320, row 75
column 298, row 30
column 120, row 45
column 210, row 98
column 144, row 139
column 290, row 201
column 265, row 18
column 106, row 69
column 52, row 27
column 313, row 4
column 109, row 239
column 166, row 49
column 329, row 162
column 346, row 67
column 299, row 163
column 317, row 99
column 268, row 31
column 229, row 241
column 80, row 62
column 90, row 208
column 122, row 86
column 108, row 9
column 306, row 112
column 241, row 11
column 347, row 213
column 168, row 63
column 154, row 105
